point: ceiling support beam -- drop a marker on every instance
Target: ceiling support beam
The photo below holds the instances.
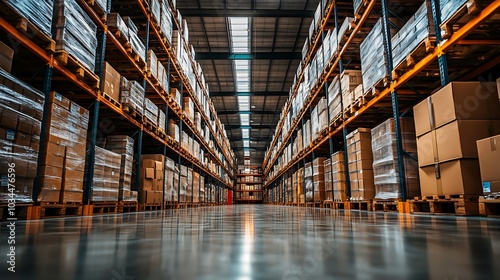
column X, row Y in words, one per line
column 246, row 13
column 254, row 93
column 250, row 56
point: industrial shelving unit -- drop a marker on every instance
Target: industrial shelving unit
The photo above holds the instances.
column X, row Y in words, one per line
column 463, row 55
column 249, row 186
column 44, row 71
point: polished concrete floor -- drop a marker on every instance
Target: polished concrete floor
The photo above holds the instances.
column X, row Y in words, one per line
column 255, row 242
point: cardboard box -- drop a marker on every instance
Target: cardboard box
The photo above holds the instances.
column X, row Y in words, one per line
column 60, row 100
column 457, row 101
column 111, row 82
column 489, row 162
column 158, row 165
column 48, row 195
column 458, row 139
column 156, row 157
column 147, row 184
column 148, row 163
column 427, row 149
column 454, row 177
column 147, row 197
column 6, row 57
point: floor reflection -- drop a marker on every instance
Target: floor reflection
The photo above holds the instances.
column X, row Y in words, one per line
column 255, row 242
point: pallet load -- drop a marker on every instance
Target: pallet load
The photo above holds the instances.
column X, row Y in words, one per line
column 385, row 160
column 75, row 32
column 173, row 130
column 328, row 180
column 124, row 146
column 135, row 42
column 415, row 32
column 21, row 110
column 374, row 58
column 106, row 183
column 118, row 27
column 155, row 9
column 489, row 161
column 132, row 97
column 202, row 189
column 447, row 129
column 150, row 112
column 161, row 121
column 184, row 183
column 196, row 187
column 349, row 80
column 151, row 180
column 63, row 165
column 360, row 159
column 338, row 177
column 40, row 13
column 153, row 71
column 189, row 185
column 189, row 108
column 334, row 99
column 111, row 81
column 171, row 174
column 166, row 20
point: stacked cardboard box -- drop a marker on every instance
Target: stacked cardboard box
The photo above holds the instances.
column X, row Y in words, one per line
column 166, row 20
column 315, row 180
column 189, row 108
column 151, row 180
column 155, row 8
column 334, row 99
column 111, row 82
column 308, row 182
column 106, row 184
column 189, row 185
column 161, row 120
column 328, row 180
column 349, row 80
column 450, row 7
column 360, row 159
column 63, row 166
column 124, row 146
column 202, row 189
column 338, row 177
column 21, row 110
column 489, row 161
column 374, row 57
column 173, row 130
column 6, row 57
column 196, row 187
column 153, row 66
column 151, row 111
column 76, row 33
column 448, row 124
column 385, row 160
column 38, row 12
column 132, row 96
column 184, row 183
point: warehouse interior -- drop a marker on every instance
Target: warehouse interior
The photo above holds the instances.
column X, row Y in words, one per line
column 277, row 139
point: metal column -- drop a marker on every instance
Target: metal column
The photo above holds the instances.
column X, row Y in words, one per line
column 180, row 143
column 395, row 103
column 442, row 61
column 164, row 146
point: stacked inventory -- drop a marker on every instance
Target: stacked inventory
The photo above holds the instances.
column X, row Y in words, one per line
column 171, row 180
column 166, row 20
column 374, row 57
column 173, row 130
column 184, row 184
column 21, row 109
column 360, row 159
column 249, row 186
column 314, row 178
column 111, row 82
column 338, row 177
column 75, row 32
column 63, row 165
column 419, row 27
column 202, row 189
column 106, row 183
column 189, row 185
column 132, row 96
column 385, row 160
column 38, row 12
column 150, row 112
column 135, row 42
column 489, row 160
column 349, row 81
column 196, row 187
column 151, row 179
column 328, row 180
column 124, row 146
column 447, row 129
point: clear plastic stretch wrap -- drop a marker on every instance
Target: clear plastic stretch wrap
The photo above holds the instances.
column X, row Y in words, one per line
column 373, row 57
column 151, row 111
column 338, row 177
column 196, row 187
column 76, row 33
column 166, row 20
column 105, row 186
column 124, row 146
column 202, row 189
column 360, row 159
column 450, row 7
column 137, row 45
column 189, row 189
column 132, row 95
column 153, row 65
column 357, row 6
column 308, row 182
column 173, row 130
column 155, row 8
column 115, row 21
column 184, row 183
column 21, row 109
column 385, row 160
column 161, row 120
column 39, row 12
column 103, row 4
column 334, row 99
column 419, row 27
column 63, row 165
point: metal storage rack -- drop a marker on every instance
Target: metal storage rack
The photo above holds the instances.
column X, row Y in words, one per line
column 442, row 64
column 249, row 196
column 106, row 116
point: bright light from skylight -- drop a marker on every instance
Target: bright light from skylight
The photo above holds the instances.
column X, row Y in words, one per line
column 245, row 133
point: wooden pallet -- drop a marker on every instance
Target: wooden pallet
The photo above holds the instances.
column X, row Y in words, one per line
column 460, row 205
column 111, row 99
column 133, row 112
column 378, row 87
column 105, row 207
column 56, row 209
column 150, row 207
column 26, row 27
column 77, row 68
column 424, row 48
column 489, row 206
column 122, row 39
column 361, row 205
column 148, row 124
column 385, row 205
column 359, row 13
column 97, row 9
column 128, row 206
column 328, row 204
column 21, row 211
column 463, row 15
column 341, row 205
column 315, row 204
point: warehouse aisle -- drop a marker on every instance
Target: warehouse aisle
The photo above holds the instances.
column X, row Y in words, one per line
column 256, row 242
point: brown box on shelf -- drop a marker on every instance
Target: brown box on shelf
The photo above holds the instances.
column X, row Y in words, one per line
column 453, row 102
column 456, row 177
column 111, row 82
column 71, row 196
column 489, row 162
column 49, row 195
column 6, row 57
column 148, row 163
